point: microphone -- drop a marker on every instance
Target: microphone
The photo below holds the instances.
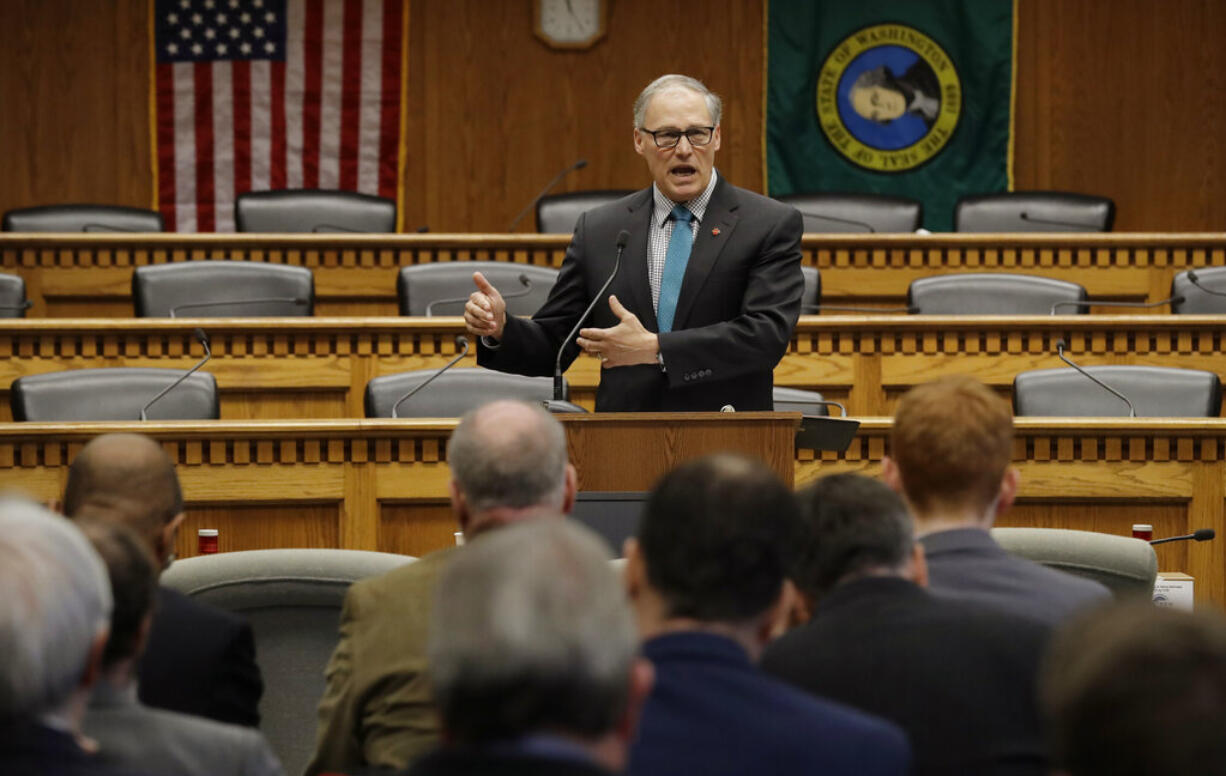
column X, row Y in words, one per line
column 1132, row 412
column 523, row 281
column 336, row 228
column 1074, row 225
column 623, row 237
column 817, row 308
column 16, row 308
column 107, row 228
column 1095, row 303
column 579, row 165
column 867, row 227
column 203, row 339
column 1196, row 282
column 462, row 341
column 1201, row 535
column 297, row 301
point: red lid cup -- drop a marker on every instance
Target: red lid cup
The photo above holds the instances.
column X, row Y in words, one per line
column 1143, row 531
column 206, row 541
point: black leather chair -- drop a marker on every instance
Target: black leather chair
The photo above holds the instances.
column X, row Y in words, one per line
column 455, row 392
column 811, row 301
column 558, row 213
column 313, row 210
column 116, row 393
column 13, row 302
column 222, row 289
column 992, row 293
column 83, row 218
column 798, row 400
column 1207, row 296
column 1156, row 392
column 424, row 289
column 864, row 213
column 1034, row 211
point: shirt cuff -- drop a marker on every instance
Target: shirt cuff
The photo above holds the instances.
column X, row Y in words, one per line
column 491, row 343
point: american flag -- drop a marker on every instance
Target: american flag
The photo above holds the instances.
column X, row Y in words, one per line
column 273, row 94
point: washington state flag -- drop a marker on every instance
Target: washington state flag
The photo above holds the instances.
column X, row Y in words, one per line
column 910, row 99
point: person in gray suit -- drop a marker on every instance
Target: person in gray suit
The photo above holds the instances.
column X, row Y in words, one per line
column 950, row 459
column 128, row 732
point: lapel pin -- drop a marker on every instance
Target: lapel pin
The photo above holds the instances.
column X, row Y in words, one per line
column 715, row 232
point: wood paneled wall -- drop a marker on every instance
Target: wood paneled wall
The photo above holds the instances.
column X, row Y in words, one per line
column 1121, row 98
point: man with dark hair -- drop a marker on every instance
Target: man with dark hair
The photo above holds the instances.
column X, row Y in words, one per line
column 706, row 577
column 508, row 464
column 1136, row 690
column 533, row 657
column 199, row 659
column 132, row 734
column 960, row 680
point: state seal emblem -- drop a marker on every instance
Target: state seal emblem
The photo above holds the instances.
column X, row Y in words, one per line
column 888, row 98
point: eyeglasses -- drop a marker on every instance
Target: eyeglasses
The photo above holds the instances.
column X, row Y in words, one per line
column 669, row 138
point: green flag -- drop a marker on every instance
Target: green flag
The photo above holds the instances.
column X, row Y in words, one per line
column 910, row 99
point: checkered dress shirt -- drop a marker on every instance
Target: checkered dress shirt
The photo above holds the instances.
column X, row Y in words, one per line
column 661, row 231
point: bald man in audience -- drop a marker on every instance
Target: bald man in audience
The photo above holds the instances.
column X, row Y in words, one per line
column 199, row 660
column 508, row 464
column 951, row 449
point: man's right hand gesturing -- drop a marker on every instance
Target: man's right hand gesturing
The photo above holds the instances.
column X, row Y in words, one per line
column 485, row 313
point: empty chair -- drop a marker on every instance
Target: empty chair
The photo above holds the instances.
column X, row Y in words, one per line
column 13, row 302
column 1155, row 391
column 292, row 598
column 1034, row 211
column 220, row 288
column 1205, row 296
column 867, row 213
column 1127, row 566
column 313, row 210
column 455, row 392
column 116, row 393
column 442, row 288
column 83, row 218
column 992, row 293
column 558, row 213
column 798, row 400
column 811, row 300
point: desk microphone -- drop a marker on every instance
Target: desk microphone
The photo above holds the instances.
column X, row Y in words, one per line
column 817, row 308
column 321, row 228
column 623, row 237
column 867, row 227
column 523, row 281
column 203, row 339
column 1196, row 282
column 1201, row 535
column 1073, row 225
column 462, row 341
column 108, row 228
column 1177, row 299
column 579, row 165
column 297, row 301
column 1132, row 412
column 16, row 308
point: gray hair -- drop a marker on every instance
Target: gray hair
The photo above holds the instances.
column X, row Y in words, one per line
column 509, row 454
column 56, row 602
column 715, row 106
column 531, row 630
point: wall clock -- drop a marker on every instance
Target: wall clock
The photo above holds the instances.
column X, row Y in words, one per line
column 570, row 24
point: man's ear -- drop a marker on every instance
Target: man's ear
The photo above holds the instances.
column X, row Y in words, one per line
column 634, row 575
column 165, row 539
column 642, row 679
column 638, row 142
column 714, row 144
column 1009, row 485
column 93, row 662
column 890, row 474
column 570, row 489
column 780, row 617
column 459, row 506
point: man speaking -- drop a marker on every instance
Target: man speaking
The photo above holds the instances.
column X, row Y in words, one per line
column 703, row 301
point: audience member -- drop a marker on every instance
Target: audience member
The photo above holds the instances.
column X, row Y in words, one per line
column 199, row 659
column 532, row 654
column 508, row 464
column 53, row 630
column 1137, row 690
column 130, row 733
column 706, row 576
column 959, row 678
column 951, row 447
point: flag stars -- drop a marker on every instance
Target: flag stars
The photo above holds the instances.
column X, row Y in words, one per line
column 245, row 47
column 197, row 49
column 172, row 18
column 234, row 33
column 210, row 33
column 221, row 49
column 270, row 47
column 245, row 18
column 258, row 3
column 270, row 17
column 185, row 33
column 234, row 3
column 258, row 32
column 209, row 4
column 172, row 48
column 197, row 19
column 185, row 4
column 221, row 19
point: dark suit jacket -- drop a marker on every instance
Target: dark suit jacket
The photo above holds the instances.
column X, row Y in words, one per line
column 461, row 762
column 200, row 660
column 960, row 680
column 37, row 750
column 968, row 564
column 711, row 712
column 739, row 302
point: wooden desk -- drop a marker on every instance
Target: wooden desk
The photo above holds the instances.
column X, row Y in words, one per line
column 315, row 368
column 89, row 275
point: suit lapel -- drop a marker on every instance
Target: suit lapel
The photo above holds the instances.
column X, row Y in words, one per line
column 633, row 270
column 713, row 233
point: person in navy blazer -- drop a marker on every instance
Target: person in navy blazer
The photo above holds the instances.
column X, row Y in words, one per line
column 737, row 303
column 706, row 577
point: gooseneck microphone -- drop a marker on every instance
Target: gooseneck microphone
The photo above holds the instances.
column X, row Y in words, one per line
column 1073, row 225
column 107, row 228
column 817, row 308
column 297, row 301
column 460, row 341
column 16, row 308
column 523, row 281
column 862, row 225
column 1177, row 299
column 579, row 165
column 324, row 228
column 623, row 237
column 1132, row 411
column 1201, row 535
column 1196, row 282
column 203, row 339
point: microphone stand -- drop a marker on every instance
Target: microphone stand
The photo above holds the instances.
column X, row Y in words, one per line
column 558, row 389
column 1132, row 412
column 462, row 341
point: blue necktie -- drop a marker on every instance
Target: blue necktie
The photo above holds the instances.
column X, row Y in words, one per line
column 675, row 259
